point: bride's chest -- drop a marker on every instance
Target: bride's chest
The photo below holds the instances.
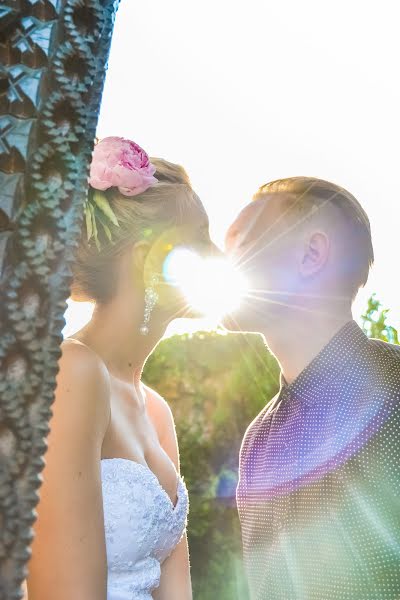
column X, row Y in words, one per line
column 139, row 517
column 132, row 434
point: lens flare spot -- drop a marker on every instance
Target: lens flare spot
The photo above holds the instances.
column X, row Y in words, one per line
column 211, row 286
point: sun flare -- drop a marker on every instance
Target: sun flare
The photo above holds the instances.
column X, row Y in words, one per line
column 212, row 286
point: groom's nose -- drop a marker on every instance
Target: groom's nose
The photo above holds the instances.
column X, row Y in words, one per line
column 215, row 252
column 211, row 250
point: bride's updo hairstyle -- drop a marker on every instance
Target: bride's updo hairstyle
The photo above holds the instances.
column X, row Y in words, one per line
column 168, row 201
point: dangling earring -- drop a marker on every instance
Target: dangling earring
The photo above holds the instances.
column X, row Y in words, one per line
column 150, row 301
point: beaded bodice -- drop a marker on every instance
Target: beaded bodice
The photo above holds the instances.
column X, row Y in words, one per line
column 142, row 527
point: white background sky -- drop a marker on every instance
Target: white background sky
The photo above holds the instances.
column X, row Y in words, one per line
column 241, row 93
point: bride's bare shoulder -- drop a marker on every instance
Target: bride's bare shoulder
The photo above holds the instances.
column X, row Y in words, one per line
column 83, row 375
column 78, row 357
column 157, row 407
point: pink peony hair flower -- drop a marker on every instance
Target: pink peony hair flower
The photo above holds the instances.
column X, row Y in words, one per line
column 118, row 162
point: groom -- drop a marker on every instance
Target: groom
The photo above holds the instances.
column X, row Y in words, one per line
column 319, row 487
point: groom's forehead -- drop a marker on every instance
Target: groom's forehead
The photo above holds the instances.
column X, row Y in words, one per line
column 254, row 219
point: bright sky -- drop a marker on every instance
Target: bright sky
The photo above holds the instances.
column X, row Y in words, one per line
column 241, row 93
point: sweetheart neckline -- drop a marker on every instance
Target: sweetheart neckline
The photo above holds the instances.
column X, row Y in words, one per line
column 154, row 477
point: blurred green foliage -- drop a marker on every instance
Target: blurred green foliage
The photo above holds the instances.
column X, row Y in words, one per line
column 216, row 384
column 374, row 322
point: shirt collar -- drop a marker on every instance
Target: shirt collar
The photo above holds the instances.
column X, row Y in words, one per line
column 328, row 364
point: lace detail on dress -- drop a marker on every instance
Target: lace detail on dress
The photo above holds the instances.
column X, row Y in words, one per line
column 142, row 527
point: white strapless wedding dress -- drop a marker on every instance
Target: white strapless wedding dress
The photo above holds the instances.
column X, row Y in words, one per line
column 142, row 527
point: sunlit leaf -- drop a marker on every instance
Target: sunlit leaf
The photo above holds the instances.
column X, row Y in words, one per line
column 102, row 203
column 88, row 218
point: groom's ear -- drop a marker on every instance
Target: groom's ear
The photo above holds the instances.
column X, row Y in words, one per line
column 315, row 254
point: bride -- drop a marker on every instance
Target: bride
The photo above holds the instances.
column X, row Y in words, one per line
column 113, row 507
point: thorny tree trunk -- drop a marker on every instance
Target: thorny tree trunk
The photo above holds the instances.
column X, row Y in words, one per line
column 53, row 58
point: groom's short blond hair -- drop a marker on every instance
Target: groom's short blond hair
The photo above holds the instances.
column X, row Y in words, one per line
column 307, row 194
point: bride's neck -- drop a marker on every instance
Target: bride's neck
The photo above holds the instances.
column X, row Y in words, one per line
column 113, row 333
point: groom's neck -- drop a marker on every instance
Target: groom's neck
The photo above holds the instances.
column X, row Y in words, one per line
column 296, row 339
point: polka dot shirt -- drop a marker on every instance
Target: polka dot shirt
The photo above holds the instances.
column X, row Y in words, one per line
column 319, row 486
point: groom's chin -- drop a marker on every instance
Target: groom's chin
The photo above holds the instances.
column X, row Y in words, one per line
column 229, row 323
column 236, row 322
